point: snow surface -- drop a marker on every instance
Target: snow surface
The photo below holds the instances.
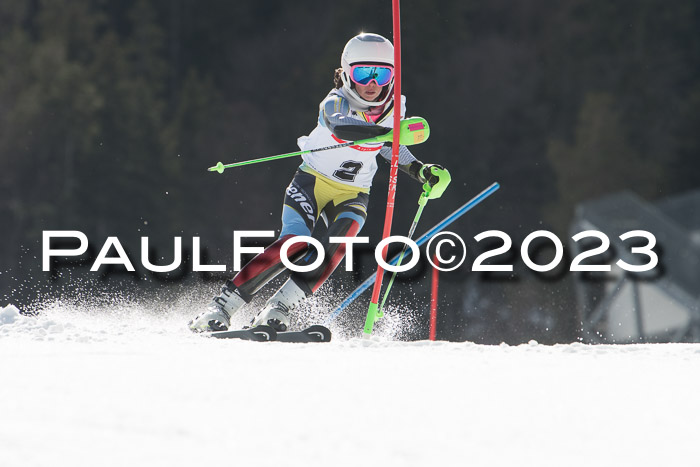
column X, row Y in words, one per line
column 119, row 385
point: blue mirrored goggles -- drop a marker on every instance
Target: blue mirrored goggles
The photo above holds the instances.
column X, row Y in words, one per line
column 365, row 74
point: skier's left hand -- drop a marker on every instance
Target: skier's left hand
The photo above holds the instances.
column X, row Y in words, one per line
column 435, row 178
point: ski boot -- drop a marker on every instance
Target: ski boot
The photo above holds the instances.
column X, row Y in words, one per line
column 278, row 308
column 217, row 316
column 276, row 315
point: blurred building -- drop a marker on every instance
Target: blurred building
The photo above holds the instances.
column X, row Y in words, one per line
column 661, row 305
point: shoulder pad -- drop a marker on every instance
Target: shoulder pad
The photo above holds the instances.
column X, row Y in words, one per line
column 334, row 103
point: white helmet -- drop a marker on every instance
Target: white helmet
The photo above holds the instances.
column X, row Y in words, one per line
column 366, row 48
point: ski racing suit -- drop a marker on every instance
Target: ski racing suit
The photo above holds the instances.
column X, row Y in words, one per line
column 333, row 185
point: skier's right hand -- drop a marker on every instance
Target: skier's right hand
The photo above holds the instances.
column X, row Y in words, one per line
column 436, row 178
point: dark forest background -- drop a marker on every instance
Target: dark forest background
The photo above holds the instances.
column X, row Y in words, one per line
column 110, row 113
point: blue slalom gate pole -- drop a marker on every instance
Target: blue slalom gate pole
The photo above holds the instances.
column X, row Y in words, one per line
column 424, row 238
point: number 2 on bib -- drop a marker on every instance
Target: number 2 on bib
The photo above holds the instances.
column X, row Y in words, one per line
column 348, row 171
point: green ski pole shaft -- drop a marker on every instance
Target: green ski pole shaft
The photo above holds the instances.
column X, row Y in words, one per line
column 413, row 130
column 220, row 167
column 422, row 201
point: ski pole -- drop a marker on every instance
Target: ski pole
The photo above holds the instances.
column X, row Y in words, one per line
column 414, row 130
column 422, row 201
column 220, row 167
column 459, row 212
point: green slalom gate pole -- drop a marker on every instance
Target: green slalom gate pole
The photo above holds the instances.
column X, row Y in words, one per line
column 414, row 130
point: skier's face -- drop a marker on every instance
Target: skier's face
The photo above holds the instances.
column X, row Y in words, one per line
column 370, row 92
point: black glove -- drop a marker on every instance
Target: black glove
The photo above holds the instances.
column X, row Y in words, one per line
column 436, row 178
column 426, row 174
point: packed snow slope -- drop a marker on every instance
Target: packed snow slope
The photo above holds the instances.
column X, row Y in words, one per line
column 126, row 387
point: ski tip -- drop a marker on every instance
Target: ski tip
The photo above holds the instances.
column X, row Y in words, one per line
column 323, row 333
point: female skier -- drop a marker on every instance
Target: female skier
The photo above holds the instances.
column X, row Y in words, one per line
column 333, row 185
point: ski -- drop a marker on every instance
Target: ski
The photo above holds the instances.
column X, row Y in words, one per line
column 314, row 333
column 257, row 334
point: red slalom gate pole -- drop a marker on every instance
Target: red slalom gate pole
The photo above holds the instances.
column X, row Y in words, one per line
column 433, row 301
column 394, row 173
